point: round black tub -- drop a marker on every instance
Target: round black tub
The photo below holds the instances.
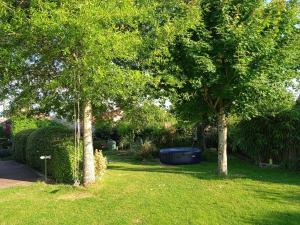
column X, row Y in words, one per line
column 180, row 155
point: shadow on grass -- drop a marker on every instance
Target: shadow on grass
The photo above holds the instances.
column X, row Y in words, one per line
column 238, row 170
column 277, row 196
column 277, row 218
column 208, row 170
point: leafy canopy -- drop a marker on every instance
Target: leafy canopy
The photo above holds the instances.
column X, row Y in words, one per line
column 242, row 55
column 95, row 45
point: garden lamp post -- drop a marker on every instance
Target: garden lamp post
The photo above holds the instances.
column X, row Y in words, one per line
column 45, row 157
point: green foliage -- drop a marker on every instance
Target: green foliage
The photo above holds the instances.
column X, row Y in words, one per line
column 276, row 137
column 241, row 56
column 145, row 150
column 100, row 43
column 145, row 120
column 99, row 144
column 160, row 137
column 238, row 58
column 100, row 163
column 160, row 129
column 59, row 143
column 19, row 145
column 127, row 133
column 21, row 123
column 148, row 115
column 104, row 129
column 2, row 132
column 169, row 137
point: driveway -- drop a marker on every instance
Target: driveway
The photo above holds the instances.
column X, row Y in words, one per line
column 15, row 174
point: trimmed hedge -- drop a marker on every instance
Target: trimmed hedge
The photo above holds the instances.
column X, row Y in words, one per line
column 19, row 145
column 21, row 123
column 59, row 143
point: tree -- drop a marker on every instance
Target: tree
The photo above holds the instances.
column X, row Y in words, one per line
column 147, row 115
column 86, row 51
column 239, row 58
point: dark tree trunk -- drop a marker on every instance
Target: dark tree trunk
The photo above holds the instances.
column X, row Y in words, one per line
column 202, row 133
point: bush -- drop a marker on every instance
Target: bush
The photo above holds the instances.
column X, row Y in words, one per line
column 100, row 163
column 146, row 150
column 210, row 155
column 19, row 145
column 59, row 143
column 2, row 132
column 105, row 130
column 100, row 144
column 4, row 140
column 25, row 123
column 127, row 134
column 168, row 137
column 276, row 137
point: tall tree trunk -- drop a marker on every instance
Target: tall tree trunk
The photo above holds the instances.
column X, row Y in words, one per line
column 222, row 142
column 88, row 152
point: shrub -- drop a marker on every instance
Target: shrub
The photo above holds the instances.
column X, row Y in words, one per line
column 99, row 144
column 19, row 145
column 25, row 123
column 276, row 137
column 4, row 141
column 168, row 137
column 125, row 142
column 127, row 134
column 59, row 143
column 210, row 155
column 2, row 132
column 146, row 150
column 100, row 163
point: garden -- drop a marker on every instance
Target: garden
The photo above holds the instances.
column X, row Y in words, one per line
column 149, row 112
column 131, row 192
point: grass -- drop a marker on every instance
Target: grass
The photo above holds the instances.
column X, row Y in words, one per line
column 150, row 193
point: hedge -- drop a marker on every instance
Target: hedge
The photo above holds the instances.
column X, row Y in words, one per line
column 276, row 137
column 19, row 145
column 21, row 123
column 57, row 142
column 2, row 132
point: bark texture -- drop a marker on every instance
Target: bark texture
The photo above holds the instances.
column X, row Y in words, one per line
column 88, row 152
column 222, row 143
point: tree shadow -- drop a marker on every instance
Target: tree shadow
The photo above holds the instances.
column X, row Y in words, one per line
column 238, row 170
column 274, row 195
column 277, row 218
column 208, row 170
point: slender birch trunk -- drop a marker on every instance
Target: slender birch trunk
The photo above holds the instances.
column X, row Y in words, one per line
column 222, row 142
column 88, row 152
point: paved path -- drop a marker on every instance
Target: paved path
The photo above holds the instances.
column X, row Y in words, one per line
column 15, row 174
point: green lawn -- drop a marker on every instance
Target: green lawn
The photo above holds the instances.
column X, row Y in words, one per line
column 131, row 193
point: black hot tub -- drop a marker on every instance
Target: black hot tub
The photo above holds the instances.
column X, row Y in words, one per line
column 180, row 155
